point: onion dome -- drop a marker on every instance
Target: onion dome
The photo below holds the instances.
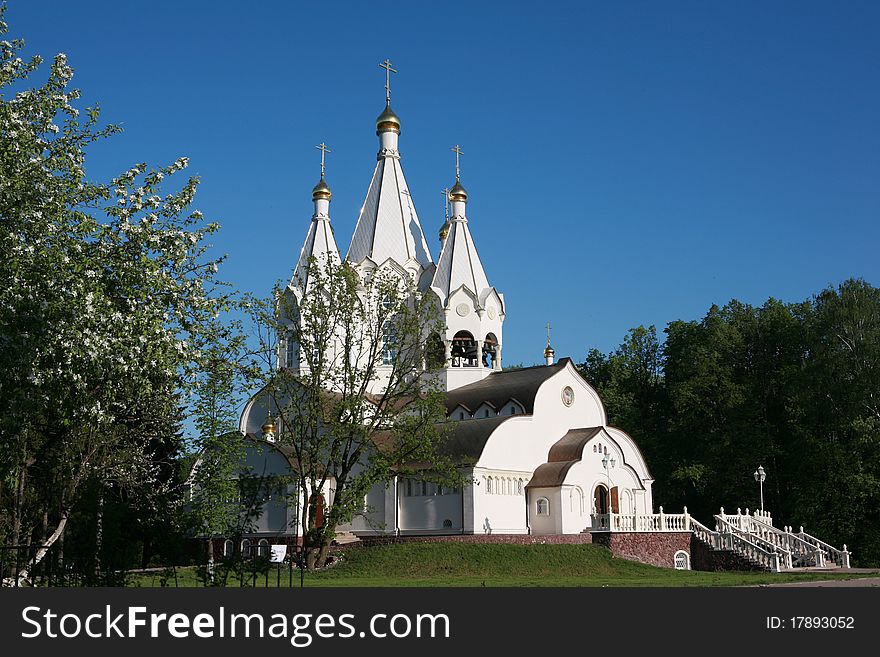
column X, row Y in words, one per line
column 321, row 190
column 269, row 426
column 444, row 230
column 458, row 192
column 388, row 121
column 549, row 352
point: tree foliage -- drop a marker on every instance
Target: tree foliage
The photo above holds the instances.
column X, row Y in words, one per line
column 793, row 387
column 357, row 406
column 104, row 292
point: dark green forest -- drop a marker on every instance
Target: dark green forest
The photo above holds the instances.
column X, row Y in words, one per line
column 794, row 387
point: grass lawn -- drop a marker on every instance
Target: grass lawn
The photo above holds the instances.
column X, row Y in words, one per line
column 463, row 564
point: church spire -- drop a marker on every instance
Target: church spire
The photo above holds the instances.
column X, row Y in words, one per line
column 458, row 264
column 444, row 230
column 320, row 244
column 549, row 352
column 473, row 310
column 388, row 227
column 388, row 123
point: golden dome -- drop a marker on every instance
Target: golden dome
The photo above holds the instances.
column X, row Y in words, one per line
column 388, row 121
column 269, row 425
column 549, row 352
column 444, row 230
column 458, row 192
column 321, row 190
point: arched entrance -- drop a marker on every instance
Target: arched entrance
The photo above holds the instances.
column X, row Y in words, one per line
column 604, row 499
column 600, row 499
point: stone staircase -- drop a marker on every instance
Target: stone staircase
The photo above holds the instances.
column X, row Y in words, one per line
column 755, row 541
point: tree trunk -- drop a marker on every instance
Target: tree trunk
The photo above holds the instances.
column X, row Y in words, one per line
column 99, row 534
column 323, row 552
column 18, row 506
column 211, row 560
column 44, row 549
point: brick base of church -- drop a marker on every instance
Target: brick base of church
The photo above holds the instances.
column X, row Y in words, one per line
column 509, row 539
column 655, row 549
column 705, row 558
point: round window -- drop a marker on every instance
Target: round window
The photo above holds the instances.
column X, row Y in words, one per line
column 567, row 396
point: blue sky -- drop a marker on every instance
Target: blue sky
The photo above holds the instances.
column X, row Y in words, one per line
column 627, row 162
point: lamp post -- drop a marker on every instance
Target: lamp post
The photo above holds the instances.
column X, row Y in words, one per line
column 608, row 463
column 760, row 476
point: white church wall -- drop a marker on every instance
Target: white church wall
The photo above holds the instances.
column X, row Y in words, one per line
column 371, row 520
column 574, row 509
column 430, row 514
column 545, row 523
column 500, row 504
column 523, row 443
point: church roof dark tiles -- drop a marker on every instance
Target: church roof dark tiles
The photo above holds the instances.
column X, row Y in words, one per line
column 466, row 439
column 500, row 387
column 564, row 453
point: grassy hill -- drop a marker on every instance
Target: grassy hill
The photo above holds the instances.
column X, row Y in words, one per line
column 464, row 564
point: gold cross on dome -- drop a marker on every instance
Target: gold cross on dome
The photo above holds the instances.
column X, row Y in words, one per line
column 446, row 196
column 323, row 148
column 458, row 152
column 548, row 333
column 388, row 71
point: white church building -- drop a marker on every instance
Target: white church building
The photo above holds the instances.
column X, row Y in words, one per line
column 534, row 444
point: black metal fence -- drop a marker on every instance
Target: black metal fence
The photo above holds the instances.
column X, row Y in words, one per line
column 252, row 568
column 55, row 568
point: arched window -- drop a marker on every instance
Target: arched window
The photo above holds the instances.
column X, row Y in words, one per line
column 519, row 486
column 542, row 506
column 576, row 501
column 490, row 350
column 447, row 524
column 435, row 352
column 489, row 487
column 512, row 410
column 228, row 548
column 389, row 343
column 245, row 548
column 464, row 350
column 291, row 355
column 263, row 548
column 682, row 560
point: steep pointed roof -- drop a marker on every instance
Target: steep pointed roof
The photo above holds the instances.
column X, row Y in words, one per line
column 320, row 243
column 459, row 264
column 388, row 226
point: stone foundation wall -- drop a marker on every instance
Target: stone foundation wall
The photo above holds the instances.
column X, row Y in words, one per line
column 510, row 539
column 705, row 558
column 653, row 548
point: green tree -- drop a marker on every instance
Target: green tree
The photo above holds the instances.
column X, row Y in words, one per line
column 104, row 290
column 344, row 428
column 837, row 419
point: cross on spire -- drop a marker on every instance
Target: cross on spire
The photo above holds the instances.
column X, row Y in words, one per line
column 446, row 196
column 548, row 334
column 388, row 71
column 458, row 152
column 323, row 148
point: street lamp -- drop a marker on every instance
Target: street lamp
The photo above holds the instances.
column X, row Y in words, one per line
column 608, row 463
column 760, row 476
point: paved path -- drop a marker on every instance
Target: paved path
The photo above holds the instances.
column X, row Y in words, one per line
column 862, row 581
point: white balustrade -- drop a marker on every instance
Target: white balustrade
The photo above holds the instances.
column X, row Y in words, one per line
column 751, row 535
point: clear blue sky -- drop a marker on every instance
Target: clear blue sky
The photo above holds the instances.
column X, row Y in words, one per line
column 627, row 162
